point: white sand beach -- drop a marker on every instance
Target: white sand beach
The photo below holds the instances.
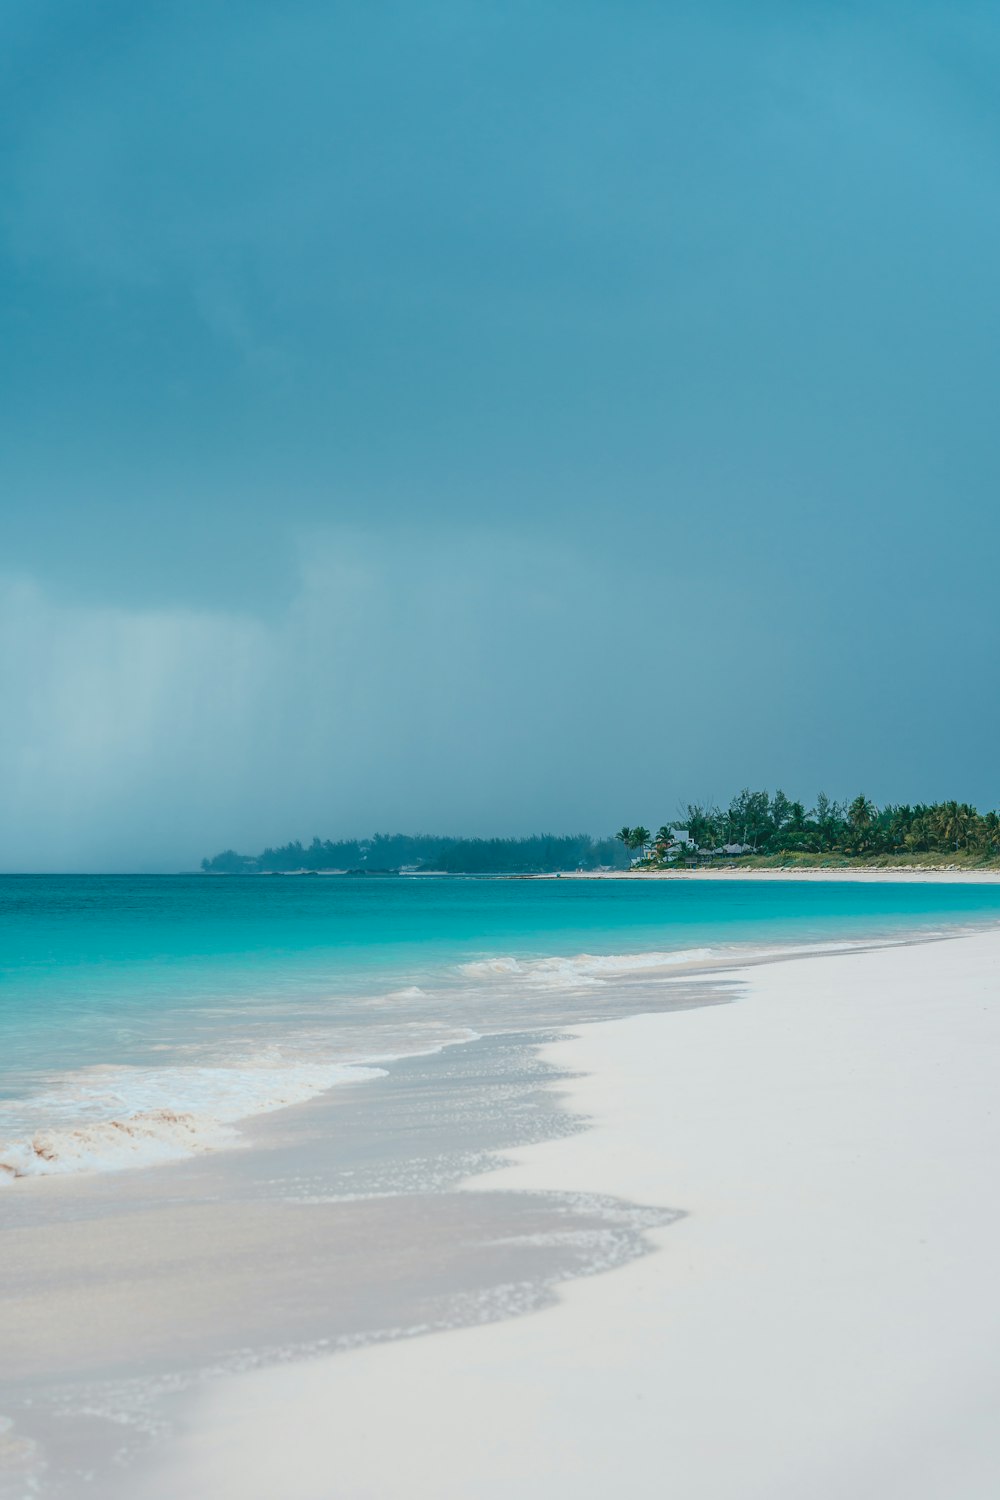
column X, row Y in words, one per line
column 823, row 1322
column 911, row 874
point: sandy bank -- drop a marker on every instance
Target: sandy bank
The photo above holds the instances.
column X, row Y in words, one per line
column 907, row 873
column 824, row 1321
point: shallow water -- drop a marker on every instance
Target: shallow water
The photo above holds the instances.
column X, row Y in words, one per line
column 339, row 1224
column 141, row 1018
column 151, row 1021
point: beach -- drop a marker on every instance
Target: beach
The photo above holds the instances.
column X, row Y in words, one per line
column 595, row 1170
column 820, row 1318
column 911, row 874
column 437, row 433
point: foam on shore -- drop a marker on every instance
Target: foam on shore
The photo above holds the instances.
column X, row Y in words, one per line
column 583, row 968
column 108, row 1117
column 828, row 1304
column 105, row 1119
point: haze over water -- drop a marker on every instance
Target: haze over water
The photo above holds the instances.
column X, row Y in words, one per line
column 490, row 418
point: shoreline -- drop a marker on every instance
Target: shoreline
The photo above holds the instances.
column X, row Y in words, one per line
column 824, row 1296
column 158, row 1137
column 898, row 874
column 350, row 1219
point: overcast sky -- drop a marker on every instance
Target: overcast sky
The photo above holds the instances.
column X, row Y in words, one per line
column 490, row 417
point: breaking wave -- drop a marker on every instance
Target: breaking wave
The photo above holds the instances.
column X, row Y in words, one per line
column 584, row 968
column 106, row 1119
column 111, row 1117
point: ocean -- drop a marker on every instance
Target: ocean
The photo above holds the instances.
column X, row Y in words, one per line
column 142, row 1018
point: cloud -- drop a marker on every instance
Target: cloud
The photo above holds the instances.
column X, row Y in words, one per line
column 446, row 416
column 118, row 725
column 455, row 680
column 402, row 684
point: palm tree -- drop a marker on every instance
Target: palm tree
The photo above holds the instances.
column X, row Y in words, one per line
column 624, row 837
column 640, row 838
column 663, row 840
column 861, row 817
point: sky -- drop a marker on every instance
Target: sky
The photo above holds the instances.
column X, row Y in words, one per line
column 482, row 418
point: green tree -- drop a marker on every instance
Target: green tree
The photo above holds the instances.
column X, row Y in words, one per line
column 640, row 838
column 861, row 816
column 780, row 811
column 749, row 818
column 704, row 825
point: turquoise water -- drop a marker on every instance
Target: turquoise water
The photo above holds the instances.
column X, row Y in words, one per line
column 127, row 994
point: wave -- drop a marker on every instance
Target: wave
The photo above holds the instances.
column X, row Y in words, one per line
column 584, row 968
column 410, row 992
column 106, row 1119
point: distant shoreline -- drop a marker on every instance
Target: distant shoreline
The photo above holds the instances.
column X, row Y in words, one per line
column 936, row 874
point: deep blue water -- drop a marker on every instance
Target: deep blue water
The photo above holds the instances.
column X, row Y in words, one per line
column 144, row 972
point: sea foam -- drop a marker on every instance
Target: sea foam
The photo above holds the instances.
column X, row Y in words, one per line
column 583, row 968
column 108, row 1118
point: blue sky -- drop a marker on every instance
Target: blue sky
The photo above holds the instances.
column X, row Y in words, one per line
column 484, row 417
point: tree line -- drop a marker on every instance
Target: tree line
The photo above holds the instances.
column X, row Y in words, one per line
column 536, row 854
column 754, row 824
column 759, row 823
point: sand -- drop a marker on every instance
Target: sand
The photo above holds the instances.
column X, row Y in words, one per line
column 824, row 1321
column 910, row 874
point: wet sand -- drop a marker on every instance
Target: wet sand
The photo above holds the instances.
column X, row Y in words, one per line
column 338, row 1225
column 824, row 1319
